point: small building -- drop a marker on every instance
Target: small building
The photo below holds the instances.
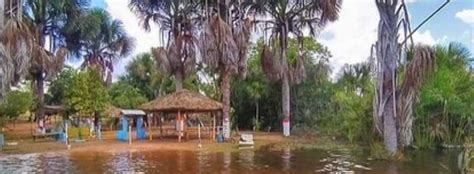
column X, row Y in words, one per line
column 129, row 119
column 182, row 103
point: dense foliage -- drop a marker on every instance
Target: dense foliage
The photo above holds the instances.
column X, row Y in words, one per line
column 125, row 96
column 87, row 94
column 16, row 102
column 445, row 111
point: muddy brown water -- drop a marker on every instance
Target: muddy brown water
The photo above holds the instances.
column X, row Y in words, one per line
column 241, row 162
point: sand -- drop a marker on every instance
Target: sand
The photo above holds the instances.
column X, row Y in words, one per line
column 21, row 136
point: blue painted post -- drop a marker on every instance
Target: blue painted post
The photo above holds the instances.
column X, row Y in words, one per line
column 122, row 132
column 140, row 128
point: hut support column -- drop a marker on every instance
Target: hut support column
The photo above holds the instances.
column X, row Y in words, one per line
column 179, row 126
column 129, row 132
column 213, row 127
column 199, row 133
column 149, row 126
column 161, row 125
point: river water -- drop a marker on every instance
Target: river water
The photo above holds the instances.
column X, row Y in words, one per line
column 241, row 162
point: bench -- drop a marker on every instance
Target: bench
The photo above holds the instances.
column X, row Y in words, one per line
column 45, row 135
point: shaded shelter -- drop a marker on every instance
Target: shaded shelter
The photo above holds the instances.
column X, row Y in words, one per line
column 49, row 127
column 127, row 118
column 184, row 102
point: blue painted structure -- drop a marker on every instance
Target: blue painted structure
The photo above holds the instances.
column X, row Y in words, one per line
column 126, row 117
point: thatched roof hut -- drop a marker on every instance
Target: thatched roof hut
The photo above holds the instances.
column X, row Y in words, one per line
column 183, row 101
column 53, row 109
column 112, row 111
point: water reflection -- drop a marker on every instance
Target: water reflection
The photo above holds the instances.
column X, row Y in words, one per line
column 286, row 158
column 242, row 161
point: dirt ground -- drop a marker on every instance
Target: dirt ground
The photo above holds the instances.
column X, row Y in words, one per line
column 19, row 140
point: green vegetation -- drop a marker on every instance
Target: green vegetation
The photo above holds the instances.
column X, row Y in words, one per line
column 87, row 94
column 444, row 113
column 16, row 103
column 125, row 96
column 415, row 96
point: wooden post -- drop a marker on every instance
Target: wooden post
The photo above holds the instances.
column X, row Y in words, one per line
column 213, row 127
column 161, row 125
column 179, row 126
column 199, row 133
column 149, row 126
column 66, row 136
column 129, row 133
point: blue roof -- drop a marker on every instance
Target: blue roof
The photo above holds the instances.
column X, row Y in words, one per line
column 130, row 112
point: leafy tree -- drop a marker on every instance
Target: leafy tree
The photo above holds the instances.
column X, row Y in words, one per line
column 59, row 87
column 87, row 95
column 178, row 20
column 352, row 104
column 99, row 40
column 141, row 73
column 311, row 98
column 16, row 102
column 284, row 18
column 124, row 95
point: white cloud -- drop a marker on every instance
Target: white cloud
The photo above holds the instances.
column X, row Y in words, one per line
column 426, row 38
column 143, row 40
column 466, row 16
column 349, row 39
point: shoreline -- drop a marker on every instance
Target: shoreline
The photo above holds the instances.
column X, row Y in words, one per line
column 111, row 145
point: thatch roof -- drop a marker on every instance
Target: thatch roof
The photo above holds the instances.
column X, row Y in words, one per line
column 112, row 111
column 52, row 109
column 184, row 101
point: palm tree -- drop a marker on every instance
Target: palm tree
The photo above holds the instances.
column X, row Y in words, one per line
column 282, row 18
column 16, row 41
column 100, row 41
column 177, row 20
column 393, row 103
column 142, row 74
column 46, row 19
column 224, row 46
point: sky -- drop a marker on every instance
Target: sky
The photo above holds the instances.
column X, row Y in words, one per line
column 349, row 39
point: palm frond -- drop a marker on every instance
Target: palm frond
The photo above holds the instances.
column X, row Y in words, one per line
column 419, row 67
column 162, row 60
column 270, row 63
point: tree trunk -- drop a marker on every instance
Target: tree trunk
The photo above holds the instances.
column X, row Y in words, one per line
column 39, row 114
column 285, row 84
column 2, row 15
column 3, row 79
column 387, row 49
column 225, row 88
column 178, row 80
column 285, row 97
column 257, row 121
column 39, row 77
column 390, row 128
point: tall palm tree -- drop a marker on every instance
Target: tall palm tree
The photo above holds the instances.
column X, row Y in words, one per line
column 393, row 103
column 283, row 18
column 15, row 44
column 46, row 19
column 142, row 74
column 224, row 46
column 99, row 40
column 177, row 20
